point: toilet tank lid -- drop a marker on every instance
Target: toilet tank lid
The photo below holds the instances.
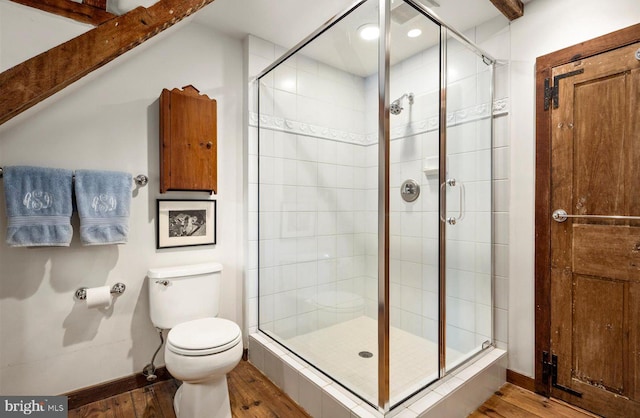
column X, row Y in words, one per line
column 182, row 271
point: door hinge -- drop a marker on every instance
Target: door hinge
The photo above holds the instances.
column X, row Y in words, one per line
column 550, row 370
column 551, row 93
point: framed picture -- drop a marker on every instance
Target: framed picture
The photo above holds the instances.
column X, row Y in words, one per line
column 183, row 223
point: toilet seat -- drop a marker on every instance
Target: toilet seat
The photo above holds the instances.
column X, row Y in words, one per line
column 203, row 337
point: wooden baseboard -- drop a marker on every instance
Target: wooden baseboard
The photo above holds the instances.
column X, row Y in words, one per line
column 521, row 380
column 115, row 387
column 90, row 394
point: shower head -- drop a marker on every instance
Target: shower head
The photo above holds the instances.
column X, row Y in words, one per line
column 396, row 105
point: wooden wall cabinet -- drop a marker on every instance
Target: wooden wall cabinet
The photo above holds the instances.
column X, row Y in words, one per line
column 188, row 141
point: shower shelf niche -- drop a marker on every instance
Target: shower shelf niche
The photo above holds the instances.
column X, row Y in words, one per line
column 432, row 166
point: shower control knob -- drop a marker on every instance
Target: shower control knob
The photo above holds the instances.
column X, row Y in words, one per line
column 451, row 221
column 410, row 190
column 163, row 282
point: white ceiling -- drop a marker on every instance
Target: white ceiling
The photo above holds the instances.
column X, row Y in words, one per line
column 287, row 22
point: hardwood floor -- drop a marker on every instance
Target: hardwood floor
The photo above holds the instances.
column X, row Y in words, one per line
column 514, row 402
column 151, row 401
column 254, row 396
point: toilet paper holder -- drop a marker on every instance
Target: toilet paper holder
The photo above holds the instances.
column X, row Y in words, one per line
column 117, row 289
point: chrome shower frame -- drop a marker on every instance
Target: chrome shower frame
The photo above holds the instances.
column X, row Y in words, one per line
column 384, row 206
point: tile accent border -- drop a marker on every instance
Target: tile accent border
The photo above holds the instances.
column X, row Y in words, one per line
column 301, row 128
column 500, row 107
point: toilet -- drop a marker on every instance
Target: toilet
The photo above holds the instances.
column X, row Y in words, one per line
column 200, row 349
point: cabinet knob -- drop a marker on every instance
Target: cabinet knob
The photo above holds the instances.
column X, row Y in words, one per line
column 209, row 145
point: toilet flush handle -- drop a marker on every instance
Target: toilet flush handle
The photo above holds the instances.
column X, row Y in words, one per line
column 163, row 282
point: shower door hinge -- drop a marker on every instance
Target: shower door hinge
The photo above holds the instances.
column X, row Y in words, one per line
column 551, row 93
column 550, row 370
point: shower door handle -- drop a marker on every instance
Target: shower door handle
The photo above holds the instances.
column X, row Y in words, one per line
column 451, row 220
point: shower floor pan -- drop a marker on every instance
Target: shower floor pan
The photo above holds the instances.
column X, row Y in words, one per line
column 348, row 352
column 456, row 395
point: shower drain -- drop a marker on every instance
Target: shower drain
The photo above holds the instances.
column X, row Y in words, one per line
column 365, row 354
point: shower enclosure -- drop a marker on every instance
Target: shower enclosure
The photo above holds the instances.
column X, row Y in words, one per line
column 374, row 200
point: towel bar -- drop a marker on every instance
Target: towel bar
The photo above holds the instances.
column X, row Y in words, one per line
column 140, row 179
column 560, row 215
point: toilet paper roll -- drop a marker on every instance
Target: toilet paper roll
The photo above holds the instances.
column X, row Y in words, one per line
column 99, row 297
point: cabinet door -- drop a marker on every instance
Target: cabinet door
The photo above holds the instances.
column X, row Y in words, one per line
column 188, row 141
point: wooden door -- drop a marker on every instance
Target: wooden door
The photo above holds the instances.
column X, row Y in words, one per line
column 594, row 358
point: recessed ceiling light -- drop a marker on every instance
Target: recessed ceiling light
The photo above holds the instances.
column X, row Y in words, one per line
column 288, row 84
column 369, row 31
column 414, row 33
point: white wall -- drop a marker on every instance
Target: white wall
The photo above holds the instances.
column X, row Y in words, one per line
column 49, row 343
column 25, row 32
column 547, row 26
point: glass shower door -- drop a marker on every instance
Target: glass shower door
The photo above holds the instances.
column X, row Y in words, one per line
column 414, row 97
column 468, row 216
column 317, row 203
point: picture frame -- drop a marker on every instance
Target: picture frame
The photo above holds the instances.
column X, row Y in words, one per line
column 185, row 223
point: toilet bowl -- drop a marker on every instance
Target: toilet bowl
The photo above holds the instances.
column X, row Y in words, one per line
column 201, row 353
column 200, row 349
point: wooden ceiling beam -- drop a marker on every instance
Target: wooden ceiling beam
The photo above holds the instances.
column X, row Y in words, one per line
column 512, row 9
column 34, row 80
column 100, row 4
column 80, row 12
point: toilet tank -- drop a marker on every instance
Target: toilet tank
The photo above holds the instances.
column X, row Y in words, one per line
column 182, row 293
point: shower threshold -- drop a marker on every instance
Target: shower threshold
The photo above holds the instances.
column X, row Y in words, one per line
column 457, row 394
